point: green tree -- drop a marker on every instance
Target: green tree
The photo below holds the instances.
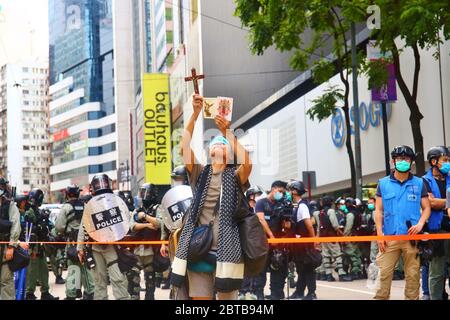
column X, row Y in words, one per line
column 309, row 29
column 407, row 24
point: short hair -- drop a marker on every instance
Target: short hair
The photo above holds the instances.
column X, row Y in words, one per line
column 279, row 184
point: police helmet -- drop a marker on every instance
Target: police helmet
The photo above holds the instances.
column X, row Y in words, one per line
column 3, row 182
column 22, row 202
column 358, row 202
column 350, row 202
column 339, row 200
column 148, row 193
column 253, row 192
column 3, row 186
column 180, row 173
column 327, row 201
column 101, row 183
column 436, row 152
column 314, row 205
column 403, row 151
column 72, row 191
column 36, row 197
column 298, row 186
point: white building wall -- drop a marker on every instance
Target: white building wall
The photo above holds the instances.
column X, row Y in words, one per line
column 21, row 122
column 315, row 148
column 15, row 136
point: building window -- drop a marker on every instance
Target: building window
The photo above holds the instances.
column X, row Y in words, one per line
column 26, row 147
column 169, row 36
column 169, row 14
column 24, row 69
column 26, row 181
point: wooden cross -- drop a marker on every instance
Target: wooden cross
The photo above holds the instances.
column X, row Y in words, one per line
column 194, row 78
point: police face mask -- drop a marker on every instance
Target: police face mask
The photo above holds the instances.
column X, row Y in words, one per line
column 402, row 166
column 288, row 196
column 278, row 196
column 371, row 206
column 445, row 168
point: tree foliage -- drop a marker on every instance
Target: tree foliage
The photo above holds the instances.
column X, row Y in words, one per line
column 310, row 28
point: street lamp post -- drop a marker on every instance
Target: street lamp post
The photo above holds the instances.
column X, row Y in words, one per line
column 358, row 168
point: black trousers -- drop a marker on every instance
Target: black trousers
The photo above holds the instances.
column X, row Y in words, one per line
column 306, row 278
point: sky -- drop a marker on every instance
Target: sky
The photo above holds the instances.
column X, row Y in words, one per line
column 23, row 30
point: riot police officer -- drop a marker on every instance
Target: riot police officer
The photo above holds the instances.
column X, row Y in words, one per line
column 105, row 256
column 303, row 228
column 273, row 226
column 38, row 269
column 329, row 226
column 350, row 249
column 145, row 224
column 67, row 225
column 9, row 231
column 252, row 287
column 179, row 176
column 171, row 223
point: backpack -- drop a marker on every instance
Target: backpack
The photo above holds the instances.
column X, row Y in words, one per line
column 360, row 228
column 341, row 217
column 325, row 229
column 255, row 247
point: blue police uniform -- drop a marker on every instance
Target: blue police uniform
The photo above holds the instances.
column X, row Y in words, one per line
column 401, row 203
column 435, row 220
column 436, row 269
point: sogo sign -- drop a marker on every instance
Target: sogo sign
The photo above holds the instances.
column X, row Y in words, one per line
column 369, row 115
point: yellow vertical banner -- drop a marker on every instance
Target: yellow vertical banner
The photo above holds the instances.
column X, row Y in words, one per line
column 157, row 128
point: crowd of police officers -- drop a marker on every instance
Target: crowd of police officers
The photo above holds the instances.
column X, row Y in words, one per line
column 283, row 212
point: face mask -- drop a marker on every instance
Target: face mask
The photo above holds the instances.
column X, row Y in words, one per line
column 445, row 169
column 288, row 196
column 371, row 206
column 278, row 196
column 402, row 166
column 343, row 208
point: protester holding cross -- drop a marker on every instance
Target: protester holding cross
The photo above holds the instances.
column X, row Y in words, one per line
column 216, row 188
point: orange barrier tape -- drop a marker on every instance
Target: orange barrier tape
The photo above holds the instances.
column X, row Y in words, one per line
column 434, row 236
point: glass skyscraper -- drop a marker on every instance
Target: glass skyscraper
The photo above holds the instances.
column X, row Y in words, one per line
column 82, row 109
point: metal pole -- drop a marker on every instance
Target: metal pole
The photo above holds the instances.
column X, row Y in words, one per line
column 309, row 187
column 356, row 116
column 385, row 137
column 128, row 177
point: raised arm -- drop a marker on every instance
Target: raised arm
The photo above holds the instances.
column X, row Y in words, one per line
column 239, row 151
column 186, row 150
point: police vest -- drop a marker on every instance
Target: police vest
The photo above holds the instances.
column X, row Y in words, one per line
column 435, row 220
column 76, row 214
column 326, row 228
column 401, row 203
column 147, row 234
column 358, row 228
column 77, row 211
column 300, row 227
column 5, row 224
column 341, row 218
